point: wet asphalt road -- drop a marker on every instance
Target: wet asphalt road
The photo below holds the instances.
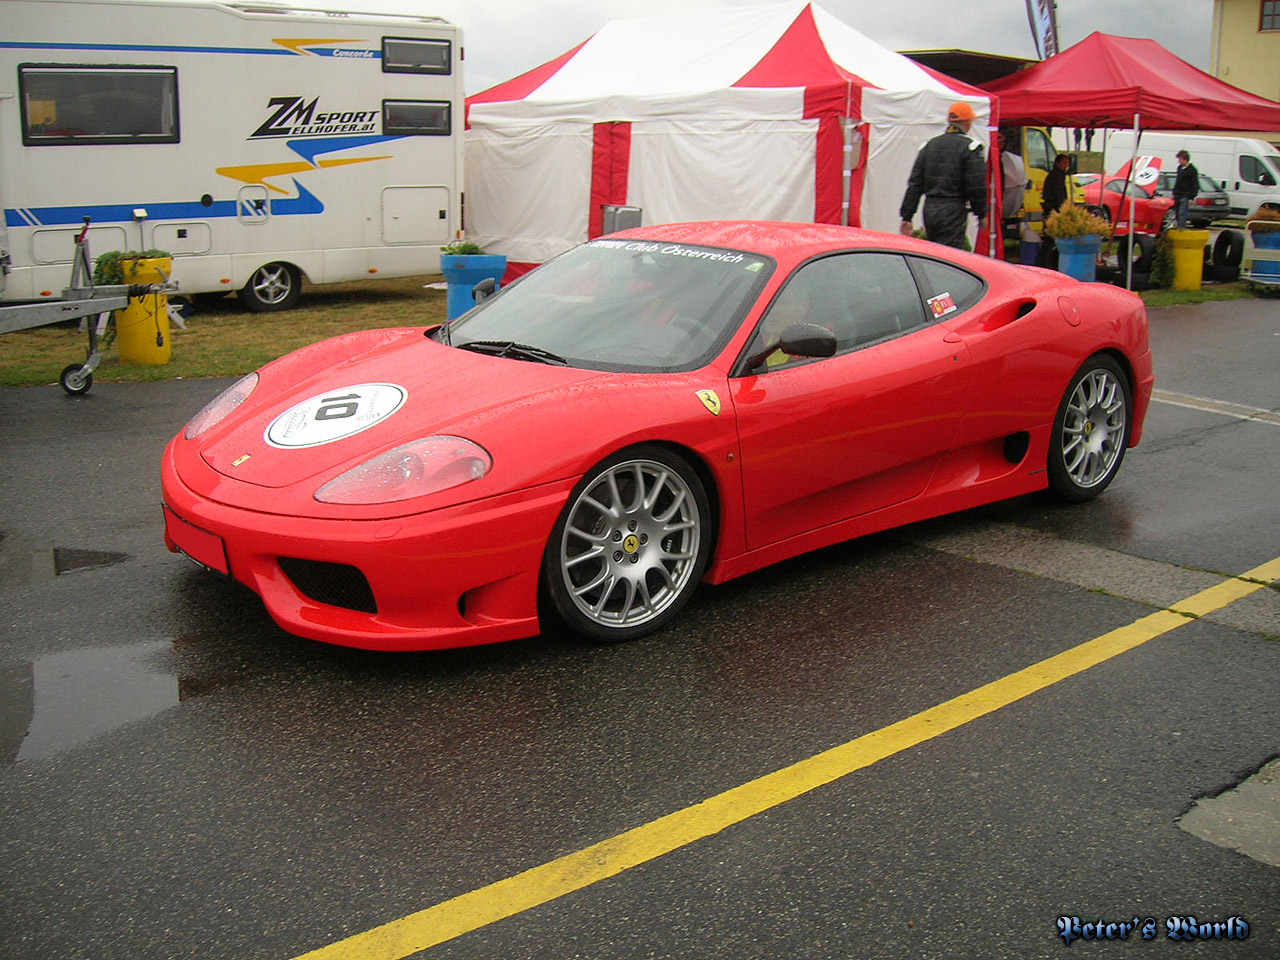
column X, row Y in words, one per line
column 179, row 778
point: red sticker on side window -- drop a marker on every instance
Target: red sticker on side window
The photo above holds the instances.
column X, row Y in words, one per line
column 941, row 305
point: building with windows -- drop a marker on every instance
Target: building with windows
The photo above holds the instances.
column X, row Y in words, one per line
column 1245, row 48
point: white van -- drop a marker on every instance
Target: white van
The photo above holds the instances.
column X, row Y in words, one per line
column 1249, row 170
column 257, row 142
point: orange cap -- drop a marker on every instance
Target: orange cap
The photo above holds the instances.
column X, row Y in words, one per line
column 961, row 111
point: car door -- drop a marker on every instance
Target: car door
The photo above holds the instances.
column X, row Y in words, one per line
column 826, row 439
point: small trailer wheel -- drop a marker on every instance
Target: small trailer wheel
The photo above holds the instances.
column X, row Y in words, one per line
column 73, row 381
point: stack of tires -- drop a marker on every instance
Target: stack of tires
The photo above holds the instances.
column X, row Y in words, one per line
column 1141, row 253
column 1228, row 250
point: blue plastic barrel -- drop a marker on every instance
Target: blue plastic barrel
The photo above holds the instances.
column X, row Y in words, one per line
column 463, row 272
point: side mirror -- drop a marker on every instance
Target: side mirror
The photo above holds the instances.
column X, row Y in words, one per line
column 799, row 340
column 808, row 340
column 484, row 289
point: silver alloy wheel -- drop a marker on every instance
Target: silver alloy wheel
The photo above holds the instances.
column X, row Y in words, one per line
column 1094, row 428
column 272, row 283
column 273, row 286
column 630, row 543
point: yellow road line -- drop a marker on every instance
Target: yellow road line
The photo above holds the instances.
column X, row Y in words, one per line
column 497, row 901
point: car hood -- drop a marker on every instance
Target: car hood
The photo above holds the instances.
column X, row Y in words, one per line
column 343, row 401
column 327, row 408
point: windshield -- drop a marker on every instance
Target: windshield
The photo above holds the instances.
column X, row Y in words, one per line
column 619, row 305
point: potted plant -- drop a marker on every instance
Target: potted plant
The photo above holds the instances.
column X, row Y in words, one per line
column 1078, row 235
column 111, row 267
column 142, row 328
column 464, row 264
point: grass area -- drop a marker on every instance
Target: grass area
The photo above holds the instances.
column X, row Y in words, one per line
column 224, row 340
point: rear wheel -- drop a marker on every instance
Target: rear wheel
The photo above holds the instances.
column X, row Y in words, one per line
column 273, row 286
column 630, row 547
column 1090, row 432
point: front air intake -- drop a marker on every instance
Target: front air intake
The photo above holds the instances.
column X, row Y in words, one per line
column 335, row 584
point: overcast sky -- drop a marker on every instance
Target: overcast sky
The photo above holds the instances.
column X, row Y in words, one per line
column 504, row 38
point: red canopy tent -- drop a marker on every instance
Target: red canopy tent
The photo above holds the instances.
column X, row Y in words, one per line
column 1129, row 83
column 1106, row 81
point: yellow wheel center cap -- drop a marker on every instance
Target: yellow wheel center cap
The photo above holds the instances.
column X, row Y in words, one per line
column 1088, row 427
column 631, row 544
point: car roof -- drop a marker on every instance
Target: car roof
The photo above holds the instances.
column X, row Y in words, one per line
column 784, row 241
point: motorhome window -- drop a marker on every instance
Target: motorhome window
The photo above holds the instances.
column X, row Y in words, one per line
column 1270, row 15
column 416, row 56
column 85, row 104
column 416, row 118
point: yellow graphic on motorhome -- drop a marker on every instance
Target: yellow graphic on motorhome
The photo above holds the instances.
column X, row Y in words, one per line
column 261, row 173
column 297, row 46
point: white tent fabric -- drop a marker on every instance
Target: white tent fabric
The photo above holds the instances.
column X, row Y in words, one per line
column 776, row 112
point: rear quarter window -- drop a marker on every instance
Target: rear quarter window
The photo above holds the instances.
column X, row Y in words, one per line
column 946, row 289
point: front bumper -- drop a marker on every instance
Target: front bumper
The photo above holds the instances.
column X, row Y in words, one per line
column 451, row 577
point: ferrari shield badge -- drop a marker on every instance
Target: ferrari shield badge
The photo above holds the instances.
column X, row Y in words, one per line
column 335, row 414
column 711, row 400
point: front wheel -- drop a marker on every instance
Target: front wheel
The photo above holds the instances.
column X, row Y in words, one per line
column 1090, row 432
column 630, row 547
column 273, row 286
column 73, row 381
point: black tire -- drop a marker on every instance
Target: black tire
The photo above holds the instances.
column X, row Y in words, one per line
column 1228, row 249
column 1091, row 431
column 630, row 546
column 273, row 286
column 1144, row 250
column 72, row 382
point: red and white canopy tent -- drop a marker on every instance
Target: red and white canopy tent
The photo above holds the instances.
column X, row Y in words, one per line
column 778, row 112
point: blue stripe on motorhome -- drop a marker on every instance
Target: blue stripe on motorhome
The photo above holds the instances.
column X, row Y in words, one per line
column 304, row 204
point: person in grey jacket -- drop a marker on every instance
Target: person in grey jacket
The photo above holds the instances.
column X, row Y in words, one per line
column 950, row 172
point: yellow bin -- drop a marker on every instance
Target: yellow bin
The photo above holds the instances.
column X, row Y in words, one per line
column 1188, row 257
column 142, row 328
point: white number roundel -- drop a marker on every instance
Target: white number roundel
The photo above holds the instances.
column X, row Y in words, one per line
column 335, row 414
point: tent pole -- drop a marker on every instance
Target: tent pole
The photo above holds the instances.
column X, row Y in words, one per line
column 1133, row 158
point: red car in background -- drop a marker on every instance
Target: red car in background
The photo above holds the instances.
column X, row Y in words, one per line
column 1113, row 197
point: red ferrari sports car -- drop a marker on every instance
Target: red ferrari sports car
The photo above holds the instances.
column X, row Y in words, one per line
column 1151, row 213
column 650, row 410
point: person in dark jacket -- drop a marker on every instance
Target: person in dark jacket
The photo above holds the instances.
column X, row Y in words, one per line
column 1053, row 196
column 950, row 172
column 1186, row 187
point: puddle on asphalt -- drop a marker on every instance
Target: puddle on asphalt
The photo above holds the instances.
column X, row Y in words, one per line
column 63, row 700
column 26, row 562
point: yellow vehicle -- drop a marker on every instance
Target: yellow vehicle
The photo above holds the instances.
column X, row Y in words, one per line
column 1037, row 151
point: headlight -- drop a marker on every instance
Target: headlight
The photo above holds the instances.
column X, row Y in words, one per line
column 221, row 405
column 412, row 470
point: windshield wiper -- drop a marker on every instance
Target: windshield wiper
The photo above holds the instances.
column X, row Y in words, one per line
column 517, row 351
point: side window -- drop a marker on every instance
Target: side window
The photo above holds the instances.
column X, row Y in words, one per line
column 1040, row 152
column 947, row 290
column 403, row 55
column 416, row 118
column 75, row 104
column 1252, row 170
column 860, row 297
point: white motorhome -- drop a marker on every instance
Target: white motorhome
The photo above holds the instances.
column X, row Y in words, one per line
column 257, row 142
column 1249, row 170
